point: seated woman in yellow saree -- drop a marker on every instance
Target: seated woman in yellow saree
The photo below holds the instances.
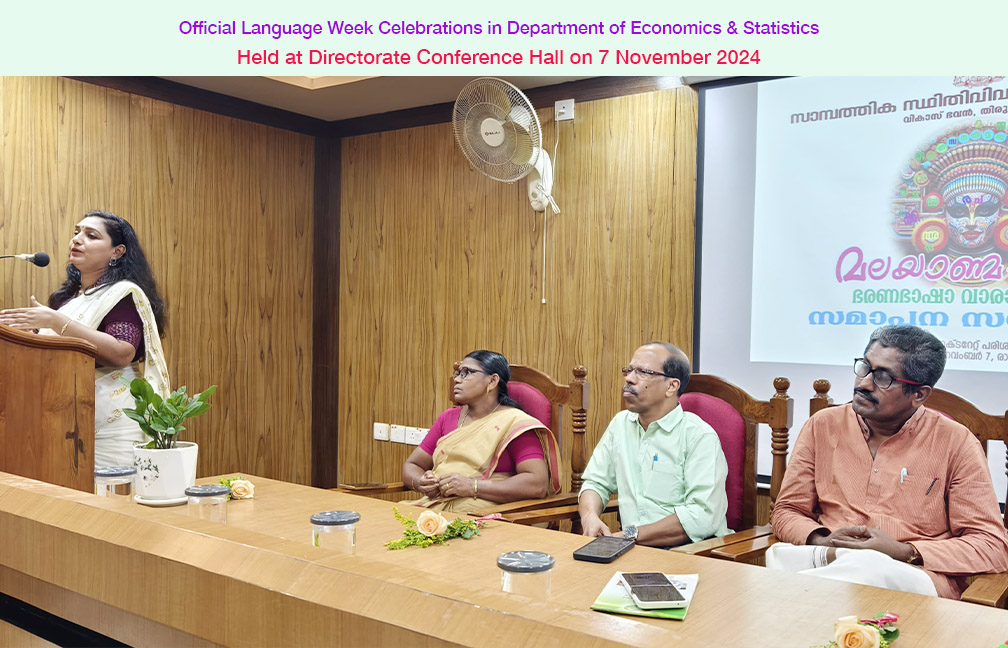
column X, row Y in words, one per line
column 485, row 452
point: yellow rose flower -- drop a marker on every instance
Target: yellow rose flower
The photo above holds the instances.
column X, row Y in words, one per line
column 431, row 523
column 242, row 489
column 851, row 634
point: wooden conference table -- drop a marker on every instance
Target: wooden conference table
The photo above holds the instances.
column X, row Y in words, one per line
column 154, row 576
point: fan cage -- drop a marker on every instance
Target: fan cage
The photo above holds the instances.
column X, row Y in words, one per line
column 487, row 97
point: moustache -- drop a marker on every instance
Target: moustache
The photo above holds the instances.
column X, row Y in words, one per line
column 867, row 396
column 629, row 390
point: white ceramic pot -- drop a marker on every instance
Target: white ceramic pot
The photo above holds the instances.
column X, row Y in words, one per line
column 164, row 474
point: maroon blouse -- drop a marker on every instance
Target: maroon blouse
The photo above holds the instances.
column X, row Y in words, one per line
column 123, row 323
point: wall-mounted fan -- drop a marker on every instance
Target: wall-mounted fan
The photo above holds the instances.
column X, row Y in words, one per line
column 498, row 130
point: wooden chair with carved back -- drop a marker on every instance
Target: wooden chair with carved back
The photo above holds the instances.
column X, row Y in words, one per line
column 550, row 402
column 735, row 415
column 985, row 589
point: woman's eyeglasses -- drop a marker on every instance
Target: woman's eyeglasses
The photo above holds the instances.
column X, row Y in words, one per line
column 465, row 372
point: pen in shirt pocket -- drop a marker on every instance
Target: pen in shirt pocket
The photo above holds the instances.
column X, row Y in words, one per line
column 655, row 461
column 933, row 481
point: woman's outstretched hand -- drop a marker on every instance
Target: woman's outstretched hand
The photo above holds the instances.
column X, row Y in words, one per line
column 33, row 317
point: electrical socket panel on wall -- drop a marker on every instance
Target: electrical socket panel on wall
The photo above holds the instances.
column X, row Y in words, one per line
column 381, row 431
column 415, row 435
column 397, row 433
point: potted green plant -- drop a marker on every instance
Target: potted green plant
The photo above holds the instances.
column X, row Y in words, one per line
column 165, row 466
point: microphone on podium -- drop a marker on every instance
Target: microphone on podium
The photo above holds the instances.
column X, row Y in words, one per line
column 41, row 259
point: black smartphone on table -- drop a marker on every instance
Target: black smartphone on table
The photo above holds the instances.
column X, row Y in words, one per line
column 603, row 549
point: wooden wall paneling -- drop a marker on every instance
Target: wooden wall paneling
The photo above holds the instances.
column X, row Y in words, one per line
column 655, row 240
column 19, row 200
column 42, row 135
column 568, row 238
column 609, row 255
column 209, row 249
column 447, row 260
column 255, row 268
column 213, row 251
column 223, row 210
column 582, row 91
column 438, row 260
column 194, row 98
column 290, row 281
column 358, row 259
column 325, row 314
column 67, row 185
column 683, row 198
column 8, row 224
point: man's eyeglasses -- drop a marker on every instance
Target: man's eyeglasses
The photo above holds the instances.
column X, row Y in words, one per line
column 643, row 373
column 465, row 372
column 882, row 378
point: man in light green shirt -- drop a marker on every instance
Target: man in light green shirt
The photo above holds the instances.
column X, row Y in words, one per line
column 666, row 464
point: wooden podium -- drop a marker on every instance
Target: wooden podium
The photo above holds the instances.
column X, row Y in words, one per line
column 47, row 388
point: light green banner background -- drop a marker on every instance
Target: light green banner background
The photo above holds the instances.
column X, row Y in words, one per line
column 858, row 37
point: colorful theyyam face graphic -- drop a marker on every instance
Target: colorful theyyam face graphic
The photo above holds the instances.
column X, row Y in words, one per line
column 971, row 217
column 951, row 198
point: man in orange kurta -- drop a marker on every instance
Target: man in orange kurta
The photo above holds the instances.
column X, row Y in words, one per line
column 886, row 474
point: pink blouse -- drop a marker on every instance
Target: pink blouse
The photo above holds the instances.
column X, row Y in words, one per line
column 525, row 447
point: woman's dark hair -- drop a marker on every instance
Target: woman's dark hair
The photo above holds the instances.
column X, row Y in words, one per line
column 495, row 363
column 132, row 266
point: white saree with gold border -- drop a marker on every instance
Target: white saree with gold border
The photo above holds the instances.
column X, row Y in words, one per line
column 115, row 433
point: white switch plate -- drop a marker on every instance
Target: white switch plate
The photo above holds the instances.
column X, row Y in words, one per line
column 564, row 110
column 398, row 433
column 381, row 431
column 414, row 435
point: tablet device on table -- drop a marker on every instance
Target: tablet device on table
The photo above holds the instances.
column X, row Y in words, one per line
column 603, row 549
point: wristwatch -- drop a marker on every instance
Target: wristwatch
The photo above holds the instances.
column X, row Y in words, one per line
column 915, row 558
column 630, row 532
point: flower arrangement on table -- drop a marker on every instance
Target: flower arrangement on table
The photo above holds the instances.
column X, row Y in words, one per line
column 877, row 632
column 241, row 488
column 432, row 528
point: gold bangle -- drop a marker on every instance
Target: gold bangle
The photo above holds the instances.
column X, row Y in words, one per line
column 475, row 488
column 65, row 326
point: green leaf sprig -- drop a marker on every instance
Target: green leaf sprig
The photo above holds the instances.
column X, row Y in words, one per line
column 411, row 537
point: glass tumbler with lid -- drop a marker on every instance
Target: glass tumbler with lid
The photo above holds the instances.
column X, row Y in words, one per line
column 208, row 502
column 114, row 481
column 335, row 530
column 526, row 573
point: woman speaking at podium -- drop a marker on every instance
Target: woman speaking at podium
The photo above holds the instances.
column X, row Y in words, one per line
column 110, row 299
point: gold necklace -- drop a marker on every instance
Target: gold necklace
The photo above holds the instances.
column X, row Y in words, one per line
column 471, row 419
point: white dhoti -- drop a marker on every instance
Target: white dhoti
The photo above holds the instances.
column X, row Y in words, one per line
column 862, row 566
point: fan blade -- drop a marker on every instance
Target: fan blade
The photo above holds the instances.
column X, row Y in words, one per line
column 521, row 116
column 523, row 148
